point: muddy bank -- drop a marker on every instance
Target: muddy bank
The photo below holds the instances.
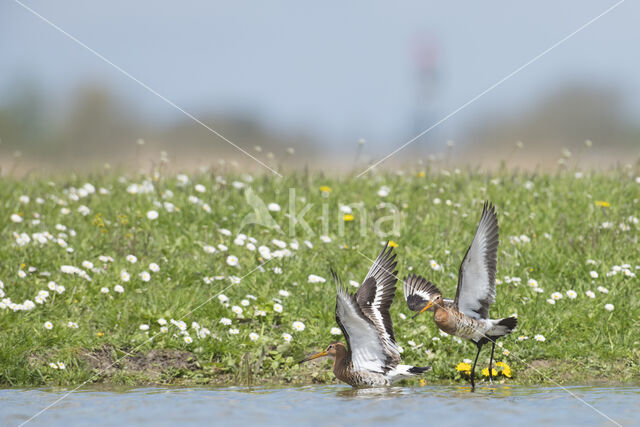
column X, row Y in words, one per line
column 109, row 365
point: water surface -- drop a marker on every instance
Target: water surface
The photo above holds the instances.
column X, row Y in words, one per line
column 322, row 405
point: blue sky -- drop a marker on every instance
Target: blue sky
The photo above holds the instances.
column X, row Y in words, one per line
column 341, row 70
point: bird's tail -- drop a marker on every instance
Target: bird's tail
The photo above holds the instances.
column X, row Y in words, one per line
column 401, row 372
column 502, row 327
column 416, row 370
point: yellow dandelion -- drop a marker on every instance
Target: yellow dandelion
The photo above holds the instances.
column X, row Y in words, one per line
column 463, row 367
column 348, row 217
column 502, row 365
column 393, row 244
column 506, row 372
column 485, row 372
column 100, row 334
column 602, row 204
column 421, row 174
column 422, row 382
column 325, row 189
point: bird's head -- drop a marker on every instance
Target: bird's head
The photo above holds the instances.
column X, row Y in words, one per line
column 332, row 351
column 435, row 300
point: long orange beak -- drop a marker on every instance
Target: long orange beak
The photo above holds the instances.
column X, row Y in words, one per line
column 425, row 308
column 314, row 356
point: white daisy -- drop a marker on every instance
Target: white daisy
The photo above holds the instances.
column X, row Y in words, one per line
column 152, row 215
column 298, row 326
column 316, row 279
column 556, row 295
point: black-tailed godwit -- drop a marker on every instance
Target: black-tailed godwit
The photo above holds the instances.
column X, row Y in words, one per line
column 467, row 316
column 371, row 356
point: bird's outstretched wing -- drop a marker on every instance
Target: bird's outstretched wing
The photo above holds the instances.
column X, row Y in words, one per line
column 476, row 277
column 363, row 341
column 375, row 296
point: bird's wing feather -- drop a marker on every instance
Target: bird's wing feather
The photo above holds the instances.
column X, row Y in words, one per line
column 476, row 277
column 363, row 341
column 374, row 297
column 418, row 291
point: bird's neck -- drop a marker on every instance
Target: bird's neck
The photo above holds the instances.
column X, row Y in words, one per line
column 340, row 366
column 444, row 319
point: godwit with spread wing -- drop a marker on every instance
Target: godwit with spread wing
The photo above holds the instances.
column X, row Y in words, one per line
column 371, row 356
column 467, row 316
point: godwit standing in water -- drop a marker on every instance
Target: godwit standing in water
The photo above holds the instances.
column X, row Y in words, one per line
column 371, row 356
column 467, row 316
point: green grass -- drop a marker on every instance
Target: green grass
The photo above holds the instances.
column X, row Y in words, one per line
column 584, row 342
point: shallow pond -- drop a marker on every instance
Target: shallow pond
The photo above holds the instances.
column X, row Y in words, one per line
column 316, row 405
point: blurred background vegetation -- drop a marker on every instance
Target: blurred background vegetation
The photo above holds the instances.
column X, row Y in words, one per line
column 277, row 82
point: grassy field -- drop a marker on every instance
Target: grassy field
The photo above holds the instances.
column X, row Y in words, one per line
column 162, row 278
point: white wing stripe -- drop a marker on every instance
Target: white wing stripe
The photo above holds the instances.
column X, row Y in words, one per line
column 366, row 350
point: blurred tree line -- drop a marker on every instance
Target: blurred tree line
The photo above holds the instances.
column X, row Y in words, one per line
column 94, row 127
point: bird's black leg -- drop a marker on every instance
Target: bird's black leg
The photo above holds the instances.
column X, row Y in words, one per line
column 493, row 347
column 473, row 370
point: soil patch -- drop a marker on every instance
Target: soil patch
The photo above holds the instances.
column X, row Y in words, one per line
column 152, row 364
